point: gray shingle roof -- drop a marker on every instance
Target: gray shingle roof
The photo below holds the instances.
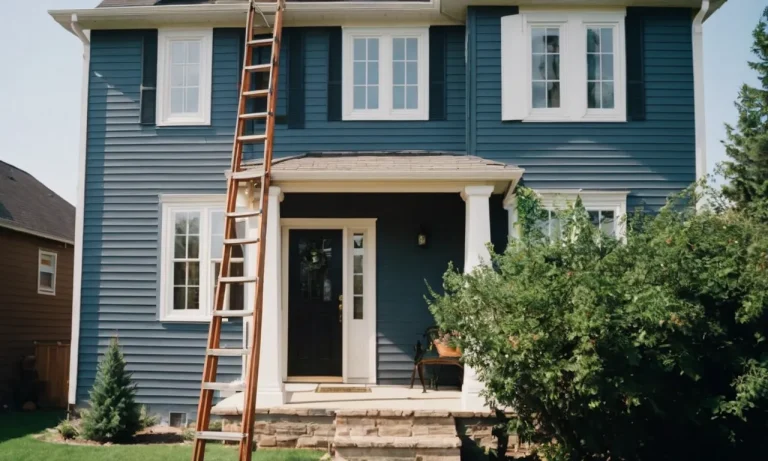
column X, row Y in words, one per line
column 25, row 202
column 401, row 161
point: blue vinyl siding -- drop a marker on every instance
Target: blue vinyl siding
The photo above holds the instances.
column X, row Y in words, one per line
column 651, row 158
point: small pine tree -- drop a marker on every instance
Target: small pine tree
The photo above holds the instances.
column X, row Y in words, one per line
column 114, row 415
column 747, row 143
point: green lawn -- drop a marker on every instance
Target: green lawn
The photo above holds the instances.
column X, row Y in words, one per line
column 17, row 444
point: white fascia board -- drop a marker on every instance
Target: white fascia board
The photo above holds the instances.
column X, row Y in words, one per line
column 508, row 174
column 233, row 15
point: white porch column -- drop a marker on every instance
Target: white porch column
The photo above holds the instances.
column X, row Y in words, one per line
column 271, row 391
column 477, row 234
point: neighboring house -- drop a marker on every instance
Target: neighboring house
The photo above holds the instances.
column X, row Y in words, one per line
column 395, row 119
column 37, row 233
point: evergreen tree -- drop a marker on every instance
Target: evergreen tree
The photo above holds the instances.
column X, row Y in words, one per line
column 747, row 143
column 114, row 413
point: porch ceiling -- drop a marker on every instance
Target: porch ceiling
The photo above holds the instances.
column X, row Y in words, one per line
column 389, row 172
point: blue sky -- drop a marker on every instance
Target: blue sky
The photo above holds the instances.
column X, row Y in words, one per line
column 41, row 79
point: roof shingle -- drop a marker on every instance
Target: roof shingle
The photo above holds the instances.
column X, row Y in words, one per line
column 27, row 203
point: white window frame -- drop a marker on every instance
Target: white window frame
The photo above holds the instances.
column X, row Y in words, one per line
column 205, row 205
column 385, row 110
column 517, row 94
column 559, row 199
column 165, row 37
column 41, row 290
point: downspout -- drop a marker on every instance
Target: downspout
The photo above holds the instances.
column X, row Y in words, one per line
column 698, row 90
column 77, row 272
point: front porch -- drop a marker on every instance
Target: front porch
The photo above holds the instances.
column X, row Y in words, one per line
column 345, row 274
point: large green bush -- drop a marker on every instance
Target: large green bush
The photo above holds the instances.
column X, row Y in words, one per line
column 649, row 349
column 114, row 415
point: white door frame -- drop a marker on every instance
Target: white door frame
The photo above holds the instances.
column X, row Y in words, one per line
column 349, row 227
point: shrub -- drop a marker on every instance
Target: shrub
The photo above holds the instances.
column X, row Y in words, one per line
column 188, row 434
column 67, row 430
column 146, row 420
column 113, row 415
column 649, row 349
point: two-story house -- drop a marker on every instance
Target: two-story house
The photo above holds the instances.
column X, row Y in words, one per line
column 403, row 127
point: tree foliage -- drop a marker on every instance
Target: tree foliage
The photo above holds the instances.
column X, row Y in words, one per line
column 648, row 349
column 114, row 415
column 747, row 143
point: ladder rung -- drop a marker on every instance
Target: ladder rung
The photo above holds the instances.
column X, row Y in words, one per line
column 252, row 138
column 237, row 387
column 261, row 42
column 230, row 313
column 218, row 435
column 256, row 93
column 228, row 352
column 248, row 174
column 237, row 279
column 243, row 214
column 255, row 115
column 259, row 68
column 244, row 241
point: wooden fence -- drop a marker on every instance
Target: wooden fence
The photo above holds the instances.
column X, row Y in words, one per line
column 52, row 364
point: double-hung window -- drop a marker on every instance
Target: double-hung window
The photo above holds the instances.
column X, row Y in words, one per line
column 184, row 77
column 607, row 210
column 192, row 242
column 563, row 66
column 385, row 73
column 46, row 272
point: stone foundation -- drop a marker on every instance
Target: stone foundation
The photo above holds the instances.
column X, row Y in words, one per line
column 377, row 435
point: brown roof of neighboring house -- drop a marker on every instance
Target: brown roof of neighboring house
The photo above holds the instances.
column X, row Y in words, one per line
column 28, row 205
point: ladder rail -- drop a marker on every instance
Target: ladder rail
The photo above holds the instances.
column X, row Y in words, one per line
column 213, row 350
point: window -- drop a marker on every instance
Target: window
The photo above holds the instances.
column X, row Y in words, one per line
column 386, row 74
column 606, row 209
column 192, row 244
column 46, row 273
column 358, row 253
column 563, row 66
column 184, row 77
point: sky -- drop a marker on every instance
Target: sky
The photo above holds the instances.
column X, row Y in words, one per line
column 42, row 67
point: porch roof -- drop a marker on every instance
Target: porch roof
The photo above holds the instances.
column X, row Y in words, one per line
column 402, row 171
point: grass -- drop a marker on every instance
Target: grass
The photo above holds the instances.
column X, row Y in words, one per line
column 17, row 443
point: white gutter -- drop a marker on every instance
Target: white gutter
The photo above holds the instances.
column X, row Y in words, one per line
column 77, row 271
column 698, row 90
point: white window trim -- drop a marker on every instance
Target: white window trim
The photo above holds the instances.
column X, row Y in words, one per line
column 164, row 39
column 385, row 110
column 169, row 205
column 558, row 199
column 573, row 25
column 45, row 290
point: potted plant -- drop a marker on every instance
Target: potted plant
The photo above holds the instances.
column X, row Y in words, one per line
column 443, row 342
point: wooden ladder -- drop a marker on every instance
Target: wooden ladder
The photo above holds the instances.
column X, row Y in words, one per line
column 239, row 175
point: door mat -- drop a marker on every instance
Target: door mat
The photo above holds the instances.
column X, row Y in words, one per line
column 341, row 389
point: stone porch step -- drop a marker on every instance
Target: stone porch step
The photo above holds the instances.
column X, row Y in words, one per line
column 397, row 442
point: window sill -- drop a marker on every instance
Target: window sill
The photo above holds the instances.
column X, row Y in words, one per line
column 589, row 118
column 170, row 318
column 183, row 122
column 46, row 292
column 383, row 117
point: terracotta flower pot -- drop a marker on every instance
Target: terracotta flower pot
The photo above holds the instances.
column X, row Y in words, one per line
column 446, row 351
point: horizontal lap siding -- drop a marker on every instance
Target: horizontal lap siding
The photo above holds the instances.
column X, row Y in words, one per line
column 651, row 158
column 321, row 135
column 403, row 269
column 128, row 166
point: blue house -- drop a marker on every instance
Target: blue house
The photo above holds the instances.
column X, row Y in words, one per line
column 403, row 128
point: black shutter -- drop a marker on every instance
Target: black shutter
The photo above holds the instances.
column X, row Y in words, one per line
column 148, row 101
column 296, row 101
column 437, row 72
column 635, row 41
column 334, row 74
